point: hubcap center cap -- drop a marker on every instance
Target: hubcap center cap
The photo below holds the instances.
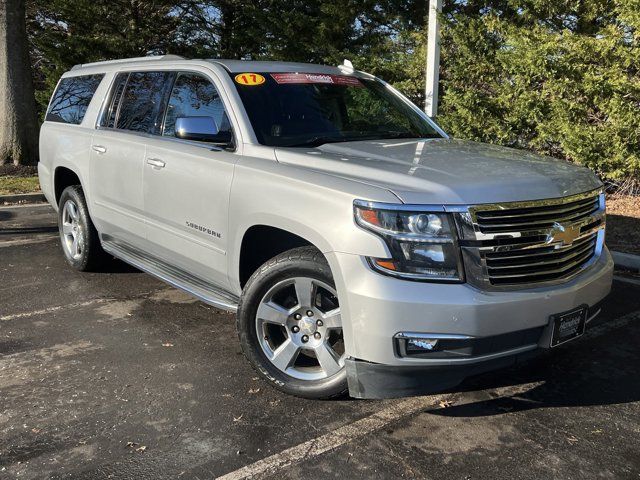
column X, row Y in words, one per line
column 307, row 326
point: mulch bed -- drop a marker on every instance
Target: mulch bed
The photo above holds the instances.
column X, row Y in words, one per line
column 18, row 170
column 623, row 223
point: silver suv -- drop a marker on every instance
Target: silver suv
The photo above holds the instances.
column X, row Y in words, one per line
column 362, row 248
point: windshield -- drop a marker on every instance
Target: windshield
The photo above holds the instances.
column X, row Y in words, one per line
column 307, row 110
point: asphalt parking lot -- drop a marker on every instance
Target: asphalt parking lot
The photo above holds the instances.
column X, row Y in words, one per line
column 117, row 375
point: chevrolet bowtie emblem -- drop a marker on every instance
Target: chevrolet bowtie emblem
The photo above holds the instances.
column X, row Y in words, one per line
column 563, row 234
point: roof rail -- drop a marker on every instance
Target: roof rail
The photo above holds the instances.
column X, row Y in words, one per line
column 128, row 60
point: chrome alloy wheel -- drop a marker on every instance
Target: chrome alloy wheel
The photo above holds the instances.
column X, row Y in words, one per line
column 72, row 232
column 299, row 328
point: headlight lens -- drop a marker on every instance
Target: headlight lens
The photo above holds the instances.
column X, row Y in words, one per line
column 423, row 245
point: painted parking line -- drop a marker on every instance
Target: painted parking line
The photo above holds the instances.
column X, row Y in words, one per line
column 633, row 281
column 57, row 308
column 336, row 438
column 348, row 433
column 29, row 230
column 607, row 327
column 28, row 241
column 25, row 205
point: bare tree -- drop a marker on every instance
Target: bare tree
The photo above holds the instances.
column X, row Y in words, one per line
column 18, row 123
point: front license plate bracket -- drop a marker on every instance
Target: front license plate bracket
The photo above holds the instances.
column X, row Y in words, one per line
column 569, row 325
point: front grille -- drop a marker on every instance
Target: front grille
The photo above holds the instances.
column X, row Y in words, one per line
column 499, row 220
column 519, row 244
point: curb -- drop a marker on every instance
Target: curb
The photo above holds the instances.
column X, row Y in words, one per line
column 626, row 260
column 22, row 198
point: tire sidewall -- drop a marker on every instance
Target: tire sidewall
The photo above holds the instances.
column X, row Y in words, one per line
column 259, row 284
column 74, row 194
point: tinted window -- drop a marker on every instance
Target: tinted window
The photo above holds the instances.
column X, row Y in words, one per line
column 302, row 110
column 194, row 96
column 71, row 99
column 141, row 105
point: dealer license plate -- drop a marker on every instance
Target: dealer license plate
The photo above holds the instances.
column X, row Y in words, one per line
column 568, row 325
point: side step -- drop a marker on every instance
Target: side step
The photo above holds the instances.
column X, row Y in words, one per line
column 201, row 289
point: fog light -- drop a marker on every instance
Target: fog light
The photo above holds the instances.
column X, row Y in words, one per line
column 421, row 344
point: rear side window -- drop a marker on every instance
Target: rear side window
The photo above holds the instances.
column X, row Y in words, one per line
column 194, row 96
column 72, row 98
column 142, row 102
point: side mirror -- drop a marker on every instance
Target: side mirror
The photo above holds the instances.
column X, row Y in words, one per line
column 201, row 129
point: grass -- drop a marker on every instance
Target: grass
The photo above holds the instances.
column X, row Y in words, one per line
column 11, row 185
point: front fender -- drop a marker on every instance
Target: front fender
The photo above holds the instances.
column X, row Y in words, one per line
column 314, row 206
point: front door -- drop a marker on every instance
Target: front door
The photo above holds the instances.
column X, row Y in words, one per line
column 187, row 184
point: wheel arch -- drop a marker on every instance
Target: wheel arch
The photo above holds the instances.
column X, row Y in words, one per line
column 64, row 177
column 261, row 242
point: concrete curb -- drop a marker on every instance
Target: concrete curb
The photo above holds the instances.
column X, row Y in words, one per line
column 626, row 260
column 22, row 198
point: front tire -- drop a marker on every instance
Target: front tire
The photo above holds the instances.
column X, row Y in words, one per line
column 290, row 326
column 79, row 238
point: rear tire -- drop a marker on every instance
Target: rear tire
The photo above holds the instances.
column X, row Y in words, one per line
column 78, row 236
column 290, row 327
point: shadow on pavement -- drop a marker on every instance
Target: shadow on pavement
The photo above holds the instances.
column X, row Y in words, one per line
column 6, row 215
column 597, row 370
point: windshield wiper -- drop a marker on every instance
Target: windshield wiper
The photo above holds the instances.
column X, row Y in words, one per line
column 394, row 135
column 317, row 141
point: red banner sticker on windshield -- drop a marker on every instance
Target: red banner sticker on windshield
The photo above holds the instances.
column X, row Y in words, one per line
column 301, row 78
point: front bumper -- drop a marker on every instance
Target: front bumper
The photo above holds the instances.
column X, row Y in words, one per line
column 375, row 308
column 373, row 380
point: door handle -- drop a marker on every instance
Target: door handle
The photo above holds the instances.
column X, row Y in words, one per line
column 99, row 148
column 156, row 162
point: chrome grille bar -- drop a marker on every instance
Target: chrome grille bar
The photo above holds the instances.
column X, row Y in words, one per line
column 509, row 222
column 492, row 213
column 551, row 258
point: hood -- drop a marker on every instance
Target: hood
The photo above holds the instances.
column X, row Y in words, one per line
column 446, row 171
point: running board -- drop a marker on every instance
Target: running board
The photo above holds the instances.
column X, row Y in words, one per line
column 174, row 276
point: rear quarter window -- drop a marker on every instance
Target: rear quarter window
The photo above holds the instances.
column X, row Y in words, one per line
column 72, row 98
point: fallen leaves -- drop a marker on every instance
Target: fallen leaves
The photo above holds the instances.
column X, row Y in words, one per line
column 136, row 447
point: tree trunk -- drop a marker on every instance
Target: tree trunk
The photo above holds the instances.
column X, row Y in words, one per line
column 18, row 122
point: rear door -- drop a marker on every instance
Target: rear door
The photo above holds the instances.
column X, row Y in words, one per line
column 133, row 113
column 187, row 184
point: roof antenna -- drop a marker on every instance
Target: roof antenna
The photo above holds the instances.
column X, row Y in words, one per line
column 347, row 64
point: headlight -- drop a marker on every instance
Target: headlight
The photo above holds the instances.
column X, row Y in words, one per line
column 423, row 244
